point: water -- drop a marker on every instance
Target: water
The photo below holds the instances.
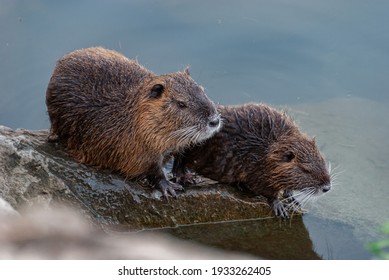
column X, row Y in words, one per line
column 327, row 61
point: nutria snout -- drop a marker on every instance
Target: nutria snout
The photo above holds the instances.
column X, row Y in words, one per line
column 215, row 121
column 111, row 112
column 263, row 150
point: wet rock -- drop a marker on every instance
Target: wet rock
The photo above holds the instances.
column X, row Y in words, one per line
column 37, row 173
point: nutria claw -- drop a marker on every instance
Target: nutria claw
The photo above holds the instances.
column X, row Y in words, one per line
column 166, row 186
column 290, row 200
column 279, row 209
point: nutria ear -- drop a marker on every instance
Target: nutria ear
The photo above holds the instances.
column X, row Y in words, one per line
column 157, row 91
column 288, row 156
column 186, row 71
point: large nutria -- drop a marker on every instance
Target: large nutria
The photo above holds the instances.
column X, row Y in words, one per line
column 111, row 112
column 263, row 150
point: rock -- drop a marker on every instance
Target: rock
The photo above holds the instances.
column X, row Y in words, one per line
column 38, row 173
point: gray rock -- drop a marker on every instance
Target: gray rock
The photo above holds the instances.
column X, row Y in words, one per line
column 37, row 173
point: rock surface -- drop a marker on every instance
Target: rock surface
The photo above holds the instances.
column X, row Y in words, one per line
column 37, row 173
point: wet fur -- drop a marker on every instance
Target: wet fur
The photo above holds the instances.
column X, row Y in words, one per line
column 111, row 112
column 261, row 149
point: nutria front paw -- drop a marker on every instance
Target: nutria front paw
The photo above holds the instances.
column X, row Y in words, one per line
column 167, row 186
column 279, row 209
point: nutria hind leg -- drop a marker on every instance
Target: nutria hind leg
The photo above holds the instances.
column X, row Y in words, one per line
column 178, row 169
column 180, row 172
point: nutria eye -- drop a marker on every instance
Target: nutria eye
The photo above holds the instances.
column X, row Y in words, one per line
column 288, row 156
column 157, row 91
column 181, row 104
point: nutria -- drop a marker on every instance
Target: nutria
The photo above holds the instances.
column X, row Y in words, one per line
column 111, row 112
column 261, row 149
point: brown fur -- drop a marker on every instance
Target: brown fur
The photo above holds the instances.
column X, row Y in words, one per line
column 111, row 112
column 261, row 149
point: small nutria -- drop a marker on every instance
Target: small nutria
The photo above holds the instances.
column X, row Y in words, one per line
column 262, row 150
column 109, row 111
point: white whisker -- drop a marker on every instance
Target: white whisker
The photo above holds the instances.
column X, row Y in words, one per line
column 189, row 135
column 306, row 195
column 301, row 197
column 335, row 175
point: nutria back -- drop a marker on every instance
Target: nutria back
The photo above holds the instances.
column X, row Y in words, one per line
column 111, row 112
column 263, row 150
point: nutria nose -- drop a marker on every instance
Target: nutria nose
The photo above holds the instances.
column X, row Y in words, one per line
column 326, row 188
column 215, row 122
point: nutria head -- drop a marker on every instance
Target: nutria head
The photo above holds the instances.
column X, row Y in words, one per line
column 278, row 157
column 294, row 163
column 176, row 111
